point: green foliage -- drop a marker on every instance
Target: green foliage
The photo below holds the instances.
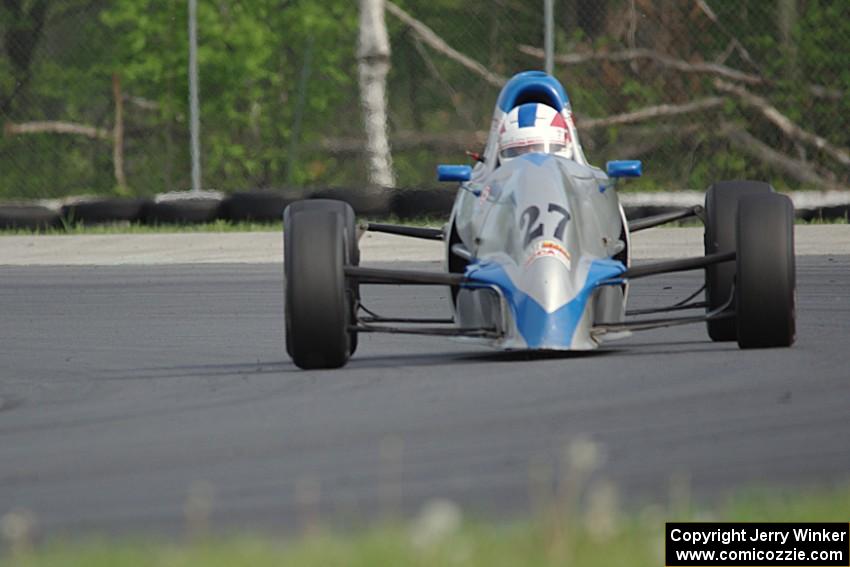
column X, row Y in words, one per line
column 253, row 56
column 250, row 57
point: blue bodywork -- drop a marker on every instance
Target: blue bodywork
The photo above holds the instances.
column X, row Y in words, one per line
column 625, row 168
column 541, row 329
column 459, row 173
column 532, row 84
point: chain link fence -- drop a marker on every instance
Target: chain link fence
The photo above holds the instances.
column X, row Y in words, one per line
column 94, row 93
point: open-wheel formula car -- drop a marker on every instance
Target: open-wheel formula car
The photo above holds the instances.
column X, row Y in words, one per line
column 537, row 251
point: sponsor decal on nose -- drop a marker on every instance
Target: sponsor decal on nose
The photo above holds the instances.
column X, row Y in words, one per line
column 549, row 249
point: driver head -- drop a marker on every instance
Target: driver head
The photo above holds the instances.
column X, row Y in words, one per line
column 534, row 127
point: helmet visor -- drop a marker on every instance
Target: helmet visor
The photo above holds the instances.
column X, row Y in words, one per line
column 512, row 152
column 539, row 147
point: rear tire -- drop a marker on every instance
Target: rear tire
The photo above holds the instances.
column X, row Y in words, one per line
column 721, row 207
column 319, row 302
column 766, row 280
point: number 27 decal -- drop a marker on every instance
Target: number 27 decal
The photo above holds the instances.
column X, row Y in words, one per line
column 533, row 229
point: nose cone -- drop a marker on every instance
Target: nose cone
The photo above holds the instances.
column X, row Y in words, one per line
column 549, row 308
column 549, row 281
column 548, row 297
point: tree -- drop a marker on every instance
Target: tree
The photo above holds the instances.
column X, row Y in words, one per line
column 24, row 22
column 373, row 53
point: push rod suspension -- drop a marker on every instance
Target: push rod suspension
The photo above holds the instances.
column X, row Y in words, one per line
column 681, row 265
column 412, row 231
column 663, row 218
column 402, row 277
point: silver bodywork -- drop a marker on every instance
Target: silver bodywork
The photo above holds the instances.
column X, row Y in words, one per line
column 544, row 241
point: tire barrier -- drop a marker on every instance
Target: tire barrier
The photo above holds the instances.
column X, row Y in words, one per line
column 28, row 216
column 364, row 202
column 100, row 210
column 413, row 203
column 830, row 213
column 183, row 208
column 268, row 205
column 257, row 206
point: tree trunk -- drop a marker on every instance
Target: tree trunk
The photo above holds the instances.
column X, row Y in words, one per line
column 374, row 63
column 118, row 135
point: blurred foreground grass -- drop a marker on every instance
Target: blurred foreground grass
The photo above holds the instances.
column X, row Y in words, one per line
column 599, row 537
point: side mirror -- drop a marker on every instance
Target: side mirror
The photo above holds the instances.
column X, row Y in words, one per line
column 625, row 168
column 459, row 173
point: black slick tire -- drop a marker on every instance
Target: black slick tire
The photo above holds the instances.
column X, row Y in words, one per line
column 721, row 207
column 765, row 283
column 320, row 240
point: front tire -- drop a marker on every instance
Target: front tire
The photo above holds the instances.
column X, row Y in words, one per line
column 765, row 284
column 319, row 303
column 721, row 208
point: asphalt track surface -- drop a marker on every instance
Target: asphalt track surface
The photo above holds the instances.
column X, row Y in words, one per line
column 123, row 390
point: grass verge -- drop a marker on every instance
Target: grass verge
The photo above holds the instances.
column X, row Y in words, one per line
column 596, row 538
column 136, row 228
column 216, row 227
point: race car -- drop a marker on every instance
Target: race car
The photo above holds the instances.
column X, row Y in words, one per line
column 537, row 251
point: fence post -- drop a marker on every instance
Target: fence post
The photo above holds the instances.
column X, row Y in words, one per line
column 194, row 110
column 549, row 34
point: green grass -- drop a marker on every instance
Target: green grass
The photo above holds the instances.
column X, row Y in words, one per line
column 216, row 226
column 136, row 228
column 595, row 538
column 842, row 220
